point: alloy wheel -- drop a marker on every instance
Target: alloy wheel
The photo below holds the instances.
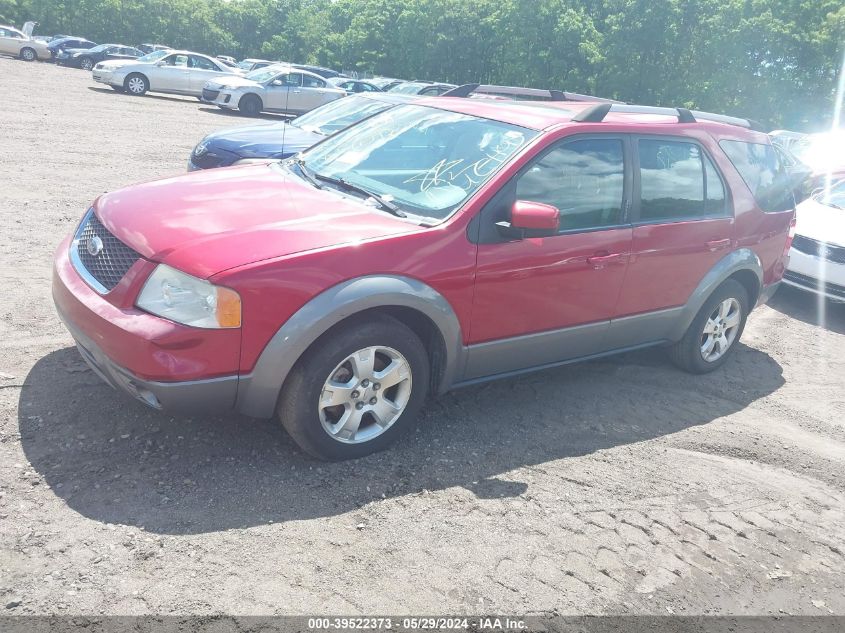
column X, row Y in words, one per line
column 87, row 64
column 720, row 330
column 28, row 54
column 365, row 394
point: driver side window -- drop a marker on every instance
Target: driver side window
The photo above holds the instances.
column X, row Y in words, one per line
column 177, row 60
column 584, row 179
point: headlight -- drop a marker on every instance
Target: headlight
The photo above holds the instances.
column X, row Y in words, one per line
column 185, row 299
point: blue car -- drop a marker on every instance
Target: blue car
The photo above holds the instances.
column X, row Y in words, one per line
column 269, row 141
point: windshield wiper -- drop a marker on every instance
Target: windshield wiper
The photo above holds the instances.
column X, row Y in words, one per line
column 384, row 202
column 306, row 173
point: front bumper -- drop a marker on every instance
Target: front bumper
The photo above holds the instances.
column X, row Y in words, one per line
column 161, row 363
column 214, row 394
column 815, row 274
column 104, row 77
column 221, row 98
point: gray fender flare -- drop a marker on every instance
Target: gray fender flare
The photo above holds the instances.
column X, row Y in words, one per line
column 740, row 259
column 258, row 392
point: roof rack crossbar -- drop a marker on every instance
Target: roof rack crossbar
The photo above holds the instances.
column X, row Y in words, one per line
column 597, row 113
column 514, row 92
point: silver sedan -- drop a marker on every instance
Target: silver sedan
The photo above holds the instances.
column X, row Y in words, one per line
column 277, row 88
column 173, row 72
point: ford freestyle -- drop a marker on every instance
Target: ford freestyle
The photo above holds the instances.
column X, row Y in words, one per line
column 433, row 245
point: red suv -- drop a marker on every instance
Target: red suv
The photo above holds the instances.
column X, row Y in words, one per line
column 431, row 246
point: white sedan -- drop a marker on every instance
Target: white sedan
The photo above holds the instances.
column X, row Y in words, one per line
column 174, row 72
column 277, row 88
column 17, row 43
column 817, row 256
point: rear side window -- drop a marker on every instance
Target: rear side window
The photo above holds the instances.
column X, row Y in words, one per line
column 677, row 182
column 764, row 174
column 312, row 82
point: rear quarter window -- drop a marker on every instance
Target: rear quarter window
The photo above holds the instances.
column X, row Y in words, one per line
column 763, row 172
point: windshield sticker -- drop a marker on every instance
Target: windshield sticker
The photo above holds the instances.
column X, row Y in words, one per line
column 466, row 175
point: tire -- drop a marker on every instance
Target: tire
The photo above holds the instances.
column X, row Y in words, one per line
column 86, row 63
column 723, row 315
column 136, row 84
column 28, row 54
column 338, row 432
column 250, row 105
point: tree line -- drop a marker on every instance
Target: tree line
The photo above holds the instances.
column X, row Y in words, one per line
column 773, row 60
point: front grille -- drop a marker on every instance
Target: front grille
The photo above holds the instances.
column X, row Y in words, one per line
column 831, row 253
column 209, row 95
column 109, row 265
column 208, row 156
column 809, row 283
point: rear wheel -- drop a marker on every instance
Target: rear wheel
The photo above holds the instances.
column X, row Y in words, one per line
column 356, row 390
column 28, row 54
column 136, row 84
column 250, row 105
column 713, row 334
column 86, row 63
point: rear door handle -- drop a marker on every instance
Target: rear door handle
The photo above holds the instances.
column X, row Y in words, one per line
column 717, row 245
column 601, row 260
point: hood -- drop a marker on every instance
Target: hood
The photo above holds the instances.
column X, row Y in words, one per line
column 114, row 64
column 820, row 222
column 234, row 80
column 214, row 220
column 261, row 141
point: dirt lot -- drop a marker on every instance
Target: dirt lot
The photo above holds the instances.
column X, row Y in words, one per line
column 620, row 486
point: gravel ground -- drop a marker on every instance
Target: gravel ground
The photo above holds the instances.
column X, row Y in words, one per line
column 618, row 486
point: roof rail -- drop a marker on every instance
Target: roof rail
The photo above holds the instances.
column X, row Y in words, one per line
column 596, row 114
column 516, row 93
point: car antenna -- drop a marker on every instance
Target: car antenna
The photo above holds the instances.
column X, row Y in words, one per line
column 287, row 121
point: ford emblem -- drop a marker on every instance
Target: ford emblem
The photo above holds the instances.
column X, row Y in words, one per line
column 94, row 246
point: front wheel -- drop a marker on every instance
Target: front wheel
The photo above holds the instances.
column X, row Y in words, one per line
column 713, row 334
column 28, row 54
column 86, row 63
column 136, row 84
column 250, row 105
column 356, row 390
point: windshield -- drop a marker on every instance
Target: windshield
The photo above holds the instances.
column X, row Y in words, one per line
column 821, row 151
column 153, row 57
column 833, row 197
column 408, row 88
column 339, row 114
column 263, row 74
column 427, row 161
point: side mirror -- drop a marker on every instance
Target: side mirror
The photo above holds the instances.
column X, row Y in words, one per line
column 161, row 62
column 277, row 82
column 531, row 219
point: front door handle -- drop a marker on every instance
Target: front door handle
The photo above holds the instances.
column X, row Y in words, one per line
column 600, row 260
column 717, row 245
